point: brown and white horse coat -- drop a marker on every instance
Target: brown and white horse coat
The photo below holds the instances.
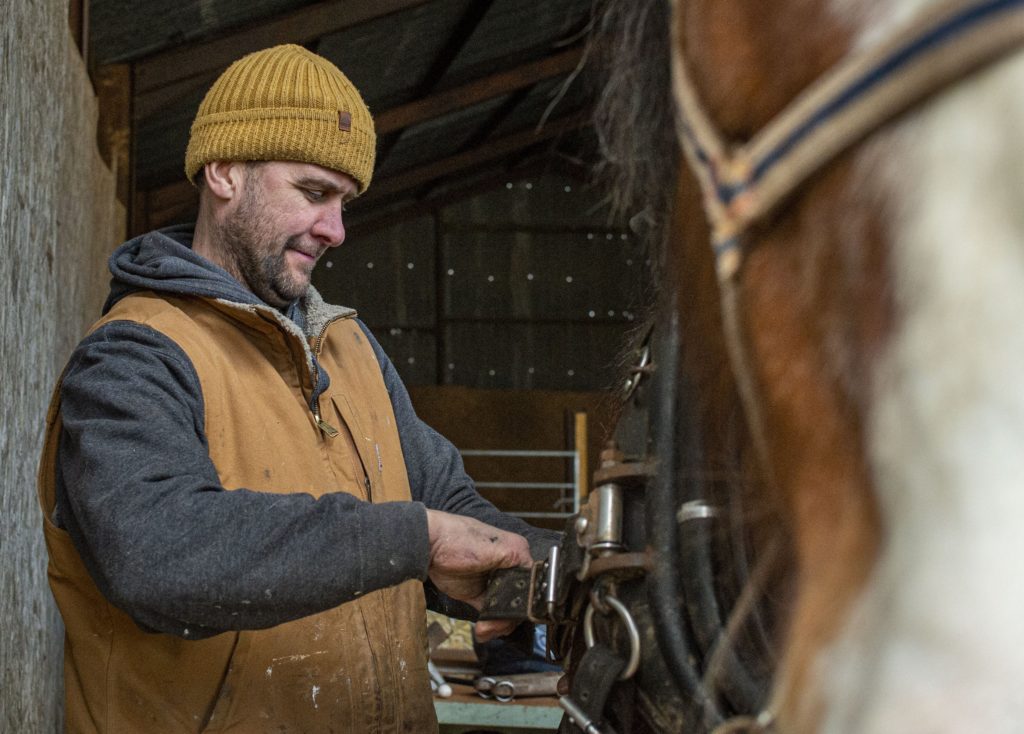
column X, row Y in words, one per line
column 883, row 313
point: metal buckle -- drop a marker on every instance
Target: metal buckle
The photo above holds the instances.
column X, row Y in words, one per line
column 542, row 602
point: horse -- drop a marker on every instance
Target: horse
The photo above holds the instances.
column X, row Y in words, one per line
column 820, row 502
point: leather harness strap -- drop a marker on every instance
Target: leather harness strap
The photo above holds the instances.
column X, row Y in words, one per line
column 744, row 184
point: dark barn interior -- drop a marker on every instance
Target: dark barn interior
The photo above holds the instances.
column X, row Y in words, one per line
column 483, row 256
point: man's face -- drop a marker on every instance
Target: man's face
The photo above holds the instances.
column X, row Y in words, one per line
column 286, row 217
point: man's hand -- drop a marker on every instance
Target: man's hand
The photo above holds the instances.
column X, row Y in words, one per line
column 463, row 551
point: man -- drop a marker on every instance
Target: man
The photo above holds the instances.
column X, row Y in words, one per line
column 240, row 502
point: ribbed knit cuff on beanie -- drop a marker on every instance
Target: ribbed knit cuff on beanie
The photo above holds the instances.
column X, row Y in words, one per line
column 284, row 104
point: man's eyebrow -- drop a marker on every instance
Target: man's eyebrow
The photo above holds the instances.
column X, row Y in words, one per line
column 322, row 184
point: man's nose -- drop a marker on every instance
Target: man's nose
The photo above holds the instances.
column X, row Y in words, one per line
column 329, row 228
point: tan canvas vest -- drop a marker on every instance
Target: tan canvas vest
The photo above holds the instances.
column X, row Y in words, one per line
column 360, row 667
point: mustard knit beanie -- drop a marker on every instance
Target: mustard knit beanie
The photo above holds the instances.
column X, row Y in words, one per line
column 284, row 104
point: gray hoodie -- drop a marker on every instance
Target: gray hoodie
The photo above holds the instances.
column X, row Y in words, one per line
column 164, row 541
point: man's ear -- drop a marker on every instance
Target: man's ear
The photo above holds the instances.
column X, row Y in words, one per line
column 224, row 179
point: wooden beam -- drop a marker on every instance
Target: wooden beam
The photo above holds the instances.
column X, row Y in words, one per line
column 402, row 116
column 482, row 154
column 479, row 91
column 154, row 101
column 114, row 130
column 159, row 207
column 300, row 26
column 458, row 36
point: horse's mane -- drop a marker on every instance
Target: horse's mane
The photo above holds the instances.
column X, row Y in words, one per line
column 634, row 117
column 638, row 154
column 634, row 122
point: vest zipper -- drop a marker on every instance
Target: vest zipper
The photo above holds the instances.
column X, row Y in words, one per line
column 325, row 427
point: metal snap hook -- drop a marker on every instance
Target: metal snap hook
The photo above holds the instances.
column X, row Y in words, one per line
column 634, row 634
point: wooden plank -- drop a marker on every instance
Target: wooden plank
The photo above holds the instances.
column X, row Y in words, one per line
column 402, row 116
column 478, row 91
column 154, row 101
column 114, row 131
column 458, row 37
column 582, row 462
column 481, row 154
column 179, row 213
column 300, row 26
column 171, row 195
column 161, row 206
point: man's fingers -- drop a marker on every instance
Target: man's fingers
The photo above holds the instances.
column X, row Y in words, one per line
column 489, row 629
column 518, row 552
column 464, row 551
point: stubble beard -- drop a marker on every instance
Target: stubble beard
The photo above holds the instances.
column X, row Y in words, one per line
column 247, row 238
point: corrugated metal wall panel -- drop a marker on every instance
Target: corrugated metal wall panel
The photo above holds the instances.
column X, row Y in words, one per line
column 525, row 356
column 535, row 291
column 555, row 201
column 387, row 276
column 413, row 352
column 575, row 276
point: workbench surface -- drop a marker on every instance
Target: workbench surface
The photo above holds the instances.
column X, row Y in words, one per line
column 466, row 711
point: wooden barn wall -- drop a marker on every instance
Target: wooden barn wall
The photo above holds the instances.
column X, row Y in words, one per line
column 58, row 220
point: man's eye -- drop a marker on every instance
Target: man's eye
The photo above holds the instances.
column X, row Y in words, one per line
column 314, row 195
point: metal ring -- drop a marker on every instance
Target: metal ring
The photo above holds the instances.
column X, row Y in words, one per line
column 504, row 691
column 484, row 687
column 639, row 370
column 696, row 510
column 634, row 634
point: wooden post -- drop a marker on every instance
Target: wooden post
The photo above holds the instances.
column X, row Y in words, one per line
column 114, row 133
column 581, row 438
column 78, row 21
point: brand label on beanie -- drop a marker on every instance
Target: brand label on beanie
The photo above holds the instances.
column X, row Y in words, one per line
column 344, row 121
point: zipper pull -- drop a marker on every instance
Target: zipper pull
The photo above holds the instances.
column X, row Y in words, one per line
column 326, row 427
column 323, row 425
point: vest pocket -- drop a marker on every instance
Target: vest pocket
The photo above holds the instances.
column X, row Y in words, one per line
column 365, row 459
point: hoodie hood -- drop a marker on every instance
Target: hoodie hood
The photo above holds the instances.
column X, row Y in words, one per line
column 163, row 261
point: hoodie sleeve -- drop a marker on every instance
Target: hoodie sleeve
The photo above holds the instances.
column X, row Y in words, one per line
column 437, row 476
column 165, row 542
